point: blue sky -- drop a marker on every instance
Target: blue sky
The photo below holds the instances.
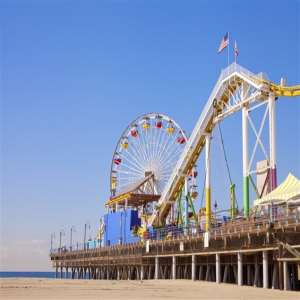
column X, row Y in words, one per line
column 75, row 73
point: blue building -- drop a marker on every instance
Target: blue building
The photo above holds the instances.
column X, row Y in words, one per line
column 119, row 226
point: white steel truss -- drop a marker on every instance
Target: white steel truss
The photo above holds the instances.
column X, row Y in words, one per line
column 235, row 89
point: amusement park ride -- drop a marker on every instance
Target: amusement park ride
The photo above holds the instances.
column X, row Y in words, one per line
column 154, row 165
column 150, row 215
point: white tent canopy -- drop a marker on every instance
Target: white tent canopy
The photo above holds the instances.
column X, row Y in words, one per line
column 287, row 191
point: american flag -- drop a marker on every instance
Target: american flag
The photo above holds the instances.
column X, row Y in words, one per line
column 224, row 43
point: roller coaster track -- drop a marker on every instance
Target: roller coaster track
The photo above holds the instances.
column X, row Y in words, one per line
column 219, row 105
column 280, row 90
column 286, row 91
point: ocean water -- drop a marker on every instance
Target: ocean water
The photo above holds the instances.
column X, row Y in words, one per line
column 27, row 274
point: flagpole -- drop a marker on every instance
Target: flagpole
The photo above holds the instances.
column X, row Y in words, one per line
column 228, row 50
column 235, row 51
column 235, row 56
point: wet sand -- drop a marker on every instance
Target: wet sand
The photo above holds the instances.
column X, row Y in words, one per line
column 31, row 288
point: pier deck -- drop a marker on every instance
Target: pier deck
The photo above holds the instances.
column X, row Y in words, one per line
column 253, row 252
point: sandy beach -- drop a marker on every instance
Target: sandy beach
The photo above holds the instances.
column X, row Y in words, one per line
column 31, row 288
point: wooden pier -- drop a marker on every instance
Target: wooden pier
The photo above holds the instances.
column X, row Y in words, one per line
column 255, row 253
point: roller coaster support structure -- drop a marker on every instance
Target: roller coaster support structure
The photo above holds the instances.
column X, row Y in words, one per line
column 207, row 182
column 245, row 160
column 186, row 203
column 272, row 140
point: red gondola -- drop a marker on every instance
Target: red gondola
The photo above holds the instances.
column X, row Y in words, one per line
column 158, row 124
column 134, row 131
column 181, row 140
column 117, row 160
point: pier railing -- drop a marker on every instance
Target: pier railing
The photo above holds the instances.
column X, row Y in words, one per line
column 220, row 228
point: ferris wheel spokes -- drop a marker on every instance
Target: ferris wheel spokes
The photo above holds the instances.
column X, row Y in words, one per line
column 149, row 145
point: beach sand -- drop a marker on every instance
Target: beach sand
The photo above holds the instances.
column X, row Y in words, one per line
column 34, row 288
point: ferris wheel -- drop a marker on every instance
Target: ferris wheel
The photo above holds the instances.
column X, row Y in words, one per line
column 149, row 146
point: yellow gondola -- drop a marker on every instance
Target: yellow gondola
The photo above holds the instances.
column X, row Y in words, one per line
column 170, row 129
column 113, row 183
column 146, row 123
column 124, row 144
